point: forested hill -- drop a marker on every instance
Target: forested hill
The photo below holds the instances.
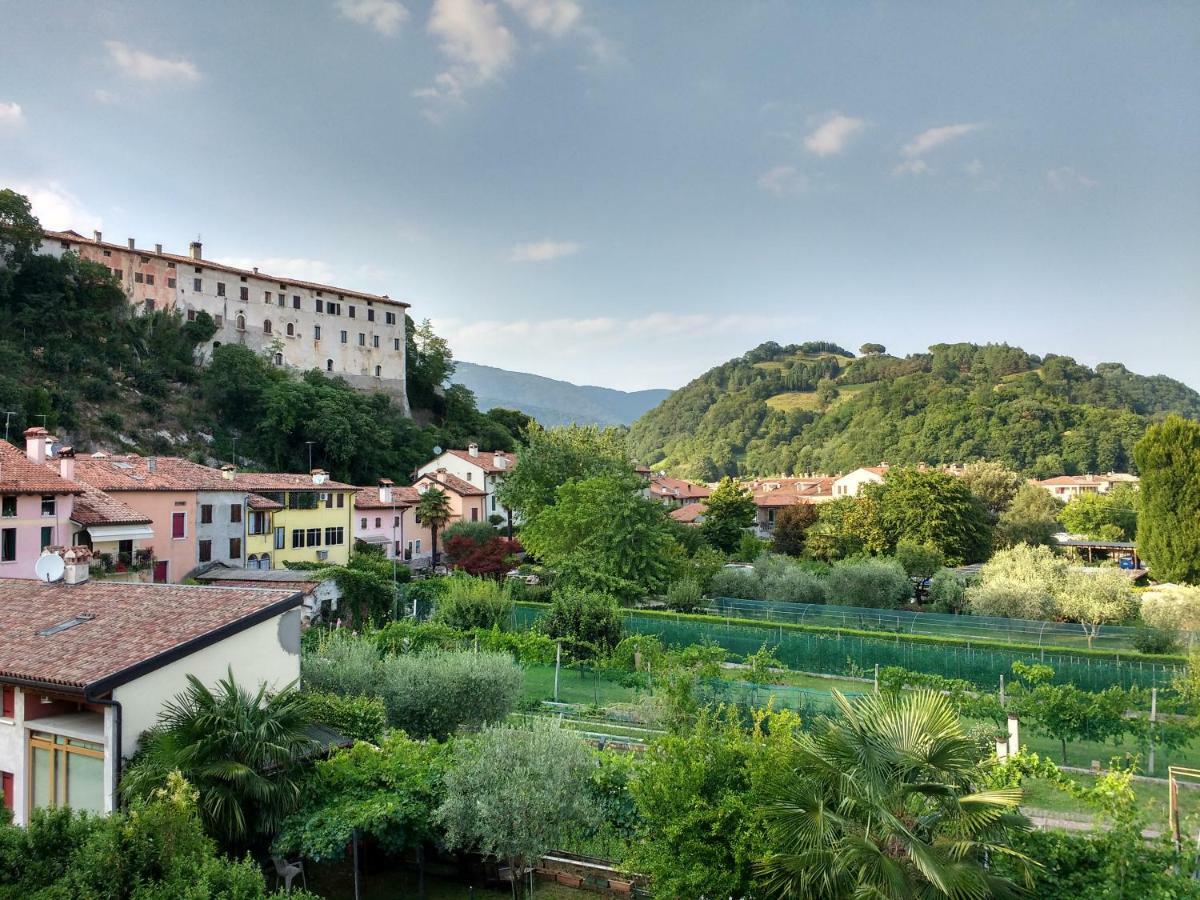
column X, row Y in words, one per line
column 817, row 407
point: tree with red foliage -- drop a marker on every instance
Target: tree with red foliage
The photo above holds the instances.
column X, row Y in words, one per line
column 492, row 557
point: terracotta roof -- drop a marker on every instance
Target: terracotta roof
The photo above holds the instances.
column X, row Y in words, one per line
column 279, row 481
column 677, row 488
column 172, row 473
column 223, row 267
column 134, row 625
column 689, row 513
column 778, row 492
column 368, row 498
column 1110, row 478
column 452, row 483
column 486, row 459
column 304, row 587
column 20, row 475
column 95, row 507
column 256, row 501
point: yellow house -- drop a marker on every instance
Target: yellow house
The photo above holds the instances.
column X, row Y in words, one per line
column 295, row 518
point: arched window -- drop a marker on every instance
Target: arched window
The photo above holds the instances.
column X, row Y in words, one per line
column 329, row 365
column 291, row 330
column 378, row 371
column 241, row 322
column 267, row 327
column 264, row 561
column 279, row 359
column 216, row 344
column 252, row 561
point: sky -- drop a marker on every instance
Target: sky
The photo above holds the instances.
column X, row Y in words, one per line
column 629, row 193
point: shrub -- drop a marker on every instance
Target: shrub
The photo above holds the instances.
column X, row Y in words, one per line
column 740, row 584
column 432, row 694
column 1024, row 582
column 358, row 718
column 683, row 595
column 1175, row 607
column 947, row 592
column 588, row 620
column 342, row 663
column 874, row 583
column 526, row 647
column 474, row 603
column 1147, row 639
column 409, row 636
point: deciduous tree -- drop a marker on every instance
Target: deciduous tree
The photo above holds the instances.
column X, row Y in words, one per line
column 791, row 526
column 728, row 512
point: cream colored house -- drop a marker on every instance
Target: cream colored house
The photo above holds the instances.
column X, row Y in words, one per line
column 848, row 485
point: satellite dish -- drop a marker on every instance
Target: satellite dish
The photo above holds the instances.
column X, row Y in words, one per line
column 437, row 451
column 49, row 567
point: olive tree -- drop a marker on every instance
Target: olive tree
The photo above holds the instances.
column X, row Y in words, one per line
column 1095, row 599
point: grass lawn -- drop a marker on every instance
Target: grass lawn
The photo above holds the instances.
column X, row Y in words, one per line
column 791, row 400
column 1151, row 800
column 574, row 686
column 815, row 683
column 1083, row 753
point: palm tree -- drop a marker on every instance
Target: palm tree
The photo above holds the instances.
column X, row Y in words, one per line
column 878, row 802
column 434, row 510
column 235, row 748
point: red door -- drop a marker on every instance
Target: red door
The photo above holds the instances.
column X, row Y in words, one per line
column 6, row 785
column 160, row 571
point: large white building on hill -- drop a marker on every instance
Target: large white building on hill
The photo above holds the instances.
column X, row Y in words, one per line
column 356, row 335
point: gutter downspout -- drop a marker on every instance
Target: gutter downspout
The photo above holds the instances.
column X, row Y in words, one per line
column 117, row 717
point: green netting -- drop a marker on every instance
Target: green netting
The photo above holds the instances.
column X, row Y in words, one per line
column 836, row 654
column 808, row 702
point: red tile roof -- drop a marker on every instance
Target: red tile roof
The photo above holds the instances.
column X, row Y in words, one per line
column 778, row 492
column 278, row 481
column 689, row 513
column 136, row 627
column 368, row 498
column 452, row 483
column 95, row 507
column 19, row 475
column 72, row 236
column 486, row 459
column 304, row 587
column 677, row 488
column 172, row 473
column 255, row 501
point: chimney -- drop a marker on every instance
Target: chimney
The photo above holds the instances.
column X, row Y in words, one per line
column 35, row 444
column 152, row 464
column 385, row 490
column 472, row 450
column 66, row 463
column 194, row 249
column 97, row 236
column 319, row 476
column 131, row 243
column 441, row 475
column 158, row 248
column 77, row 565
column 256, row 270
column 501, row 461
column 228, row 471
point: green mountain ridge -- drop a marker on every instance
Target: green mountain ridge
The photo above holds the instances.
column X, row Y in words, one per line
column 817, row 407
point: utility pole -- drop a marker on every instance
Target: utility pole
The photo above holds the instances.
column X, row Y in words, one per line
column 7, row 418
column 310, row 443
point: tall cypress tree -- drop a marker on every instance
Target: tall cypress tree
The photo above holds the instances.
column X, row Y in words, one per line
column 1168, row 460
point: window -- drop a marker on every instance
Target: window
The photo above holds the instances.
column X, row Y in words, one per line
column 341, row 504
column 65, row 772
column 474, row 513
column 362, row 523
column 106, row 252
column 329, row 365
column 205, row 551
column 390, row 318
column 417, row 546
column 47, row 536
column 279, row 359
column 375, row 341
column 344, row 337
column 370, row 315
column 8, row 545
column 258, row 522
column 244, row 293
column 171, row 282
column 235, row 548
column 150, row 279
column 291, row 329
column 266, row 296
column 206, row 514
column 297, row 538
column 280, row 300
column 170, row 265
column 362, row 339
column 335, row 536
column 191, row 315
column 218, row 320
column 138, row 277
column 379, row 371
column 334, row 309
column 280, row 537
column 295, row 301
column 267, row 327
column 8, row 507
column 240, row 322
column 395, row 343
column 49, row 506
column 120, row 273
column 319, row 305
column 235, row 512
column 378, row 522
column 220, row 289
column 316, row 332
column 8, row 706
column 178, row 526
column 197, row 285
column 198, row 270
column 395, row 521
column 264, row 561
column 314, row 537
column 351, row 310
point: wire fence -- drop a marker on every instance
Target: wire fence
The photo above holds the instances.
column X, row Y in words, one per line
column 902, row 621
column 856, row 655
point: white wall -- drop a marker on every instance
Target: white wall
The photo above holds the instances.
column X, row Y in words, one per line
column 256, row 655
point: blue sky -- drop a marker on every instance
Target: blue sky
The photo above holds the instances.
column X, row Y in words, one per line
column 629, row 193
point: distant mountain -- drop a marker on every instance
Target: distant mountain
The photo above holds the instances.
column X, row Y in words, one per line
column 817, row 407
column 554, row 402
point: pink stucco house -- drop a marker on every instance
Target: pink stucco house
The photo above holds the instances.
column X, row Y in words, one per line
column 35, row 505
column 385, row 516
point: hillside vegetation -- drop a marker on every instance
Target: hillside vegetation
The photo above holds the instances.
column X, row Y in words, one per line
column 818, row 407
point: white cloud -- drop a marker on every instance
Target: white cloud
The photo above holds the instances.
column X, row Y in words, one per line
column 297, row 267
column 831, row 136
column 143, row 66
column 11, row 115
column 474, row 39
column 385, row 16
column 56, row 207
column 912, row 167
column 1067, row 178
column 543, row 251
column 783, row 181
column 554, row 17
column 935, row 137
